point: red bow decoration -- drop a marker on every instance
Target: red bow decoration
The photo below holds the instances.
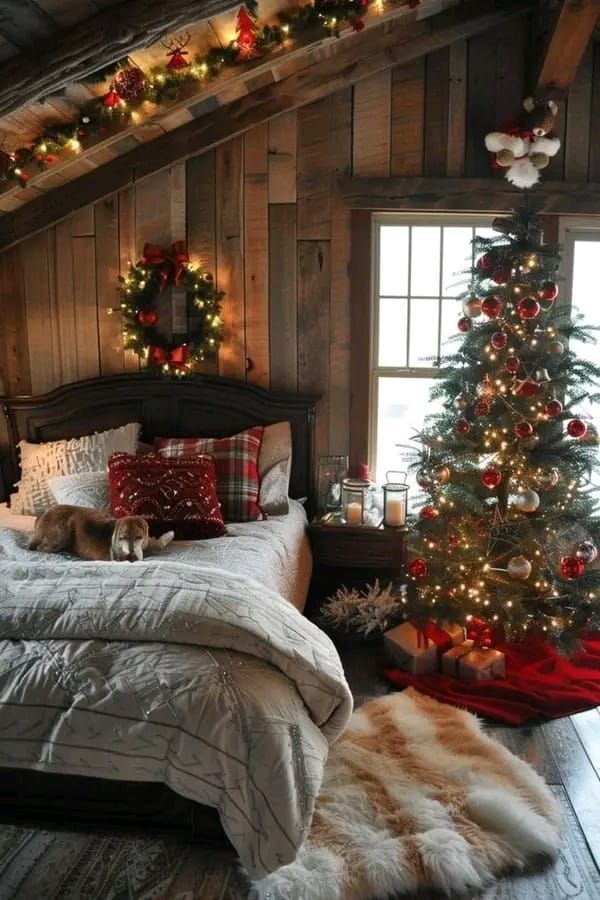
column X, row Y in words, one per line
column 479, row 632
column 176, row 358
column 170, row 262
column 429, row 631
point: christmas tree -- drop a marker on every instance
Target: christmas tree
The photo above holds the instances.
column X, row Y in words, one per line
column 507, row 531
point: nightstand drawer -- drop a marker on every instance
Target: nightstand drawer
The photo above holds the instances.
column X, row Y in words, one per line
column 350, row 547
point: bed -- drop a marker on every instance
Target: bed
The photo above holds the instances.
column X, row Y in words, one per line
column 204, row 650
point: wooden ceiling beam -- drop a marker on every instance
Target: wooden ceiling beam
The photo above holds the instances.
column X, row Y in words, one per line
column 326, row 70
column 570, row 36
column 75, row 52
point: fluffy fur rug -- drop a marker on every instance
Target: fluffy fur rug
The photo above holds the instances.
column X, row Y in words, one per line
column 416, row 796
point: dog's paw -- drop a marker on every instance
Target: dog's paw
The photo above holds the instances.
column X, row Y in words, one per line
column 165, row 539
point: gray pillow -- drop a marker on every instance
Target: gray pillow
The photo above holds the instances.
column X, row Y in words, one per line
column 89, row 489
column 274, row 469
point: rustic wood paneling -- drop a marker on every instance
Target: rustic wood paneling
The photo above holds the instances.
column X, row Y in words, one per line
column 579, row 120
column 594, row 166
column 230, row 256
column 86, row 306
column 201, row 210
column 256, row 254
column 314, row 171
column 481, row 102
column 457, row 109
column 437, row 77
column 107, row 270
column 14, row 344
column 372, row 105
column 43, row 349
column 282, row 158
column 406, row 118
column 283, row 323
column 313, row 331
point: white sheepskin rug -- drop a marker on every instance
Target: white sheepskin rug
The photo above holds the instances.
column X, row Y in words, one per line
column 416, row 796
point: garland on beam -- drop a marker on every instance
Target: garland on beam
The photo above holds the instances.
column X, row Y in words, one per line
column 140, row 290
column 131, row 87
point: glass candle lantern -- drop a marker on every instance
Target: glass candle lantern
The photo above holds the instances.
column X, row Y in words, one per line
column 395, row 500
column 354, row 491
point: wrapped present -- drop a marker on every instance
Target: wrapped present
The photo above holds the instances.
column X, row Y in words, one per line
column 474, row 663
column 417, row 647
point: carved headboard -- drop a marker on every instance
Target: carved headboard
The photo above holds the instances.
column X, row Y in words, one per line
column 205, row 405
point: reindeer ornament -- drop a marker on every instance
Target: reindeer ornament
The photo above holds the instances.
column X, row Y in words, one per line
column 174, row 47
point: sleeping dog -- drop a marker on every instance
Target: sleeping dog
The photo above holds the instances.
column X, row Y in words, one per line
column 94, row 535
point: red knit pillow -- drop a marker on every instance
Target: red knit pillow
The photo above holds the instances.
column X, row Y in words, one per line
column 236, row 461
column 171, row 494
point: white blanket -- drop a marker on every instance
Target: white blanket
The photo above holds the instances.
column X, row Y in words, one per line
column 167, row 671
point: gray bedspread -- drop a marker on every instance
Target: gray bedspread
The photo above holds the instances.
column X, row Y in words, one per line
column 169, row 671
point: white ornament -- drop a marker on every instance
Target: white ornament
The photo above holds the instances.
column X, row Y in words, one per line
column 519, row 568
column 527, row 501
column 472, row 307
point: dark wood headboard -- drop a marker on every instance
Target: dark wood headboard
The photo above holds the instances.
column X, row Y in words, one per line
column 204, row 405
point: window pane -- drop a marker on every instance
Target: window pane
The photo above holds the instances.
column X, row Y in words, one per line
column 425, row 261
column 457, row 258
column 451, row 313
column 393, row 260
column 392, row 331
column 423, row 341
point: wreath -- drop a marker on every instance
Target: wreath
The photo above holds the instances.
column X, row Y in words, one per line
column 156, row 270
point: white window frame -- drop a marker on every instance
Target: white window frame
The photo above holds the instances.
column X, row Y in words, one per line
column 571, row 229
column 375, row 371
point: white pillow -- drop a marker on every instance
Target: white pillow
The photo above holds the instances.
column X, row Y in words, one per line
column 274, row 469
column 40, row 462
column 89, row 489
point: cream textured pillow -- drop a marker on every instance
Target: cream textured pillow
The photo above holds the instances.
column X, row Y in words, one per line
column 274, row 469
column 83, row 489
column 41, row 462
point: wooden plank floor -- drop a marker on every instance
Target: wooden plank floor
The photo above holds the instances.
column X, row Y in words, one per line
column 566, row 753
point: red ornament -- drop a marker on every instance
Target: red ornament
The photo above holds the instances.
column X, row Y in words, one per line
column 553, row 408
column 464, row 324
column 246, row 29
column 429, row 512
column 492, row 306
column 485, row 261
column 147, row 317
column 130, row 84
column 529, row 308
column 491, row 477
column 463, row 426
column 111, row 100
column 454, row 540
column 498, row 340
column 548, row 291
column 479, row 632
column 512, row 364
column 23, row 177
column 174, row 47
column 501, row 275
column 572, row 567
column 523, row 429
column 482, row 408
column 50, row 158
column 576, row 428
column 357, row 23
column 417, row 568
column 527, row 388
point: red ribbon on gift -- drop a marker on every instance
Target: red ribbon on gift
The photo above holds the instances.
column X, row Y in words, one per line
column 479, row 632
column 176, row 358
column 429, row 630
column 170, row 262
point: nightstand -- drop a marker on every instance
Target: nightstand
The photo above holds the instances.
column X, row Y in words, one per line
column 352, row 556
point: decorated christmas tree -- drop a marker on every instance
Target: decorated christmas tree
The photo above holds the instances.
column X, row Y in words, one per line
column 507, row 532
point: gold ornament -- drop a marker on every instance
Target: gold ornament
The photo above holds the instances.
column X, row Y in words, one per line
column 519, row 568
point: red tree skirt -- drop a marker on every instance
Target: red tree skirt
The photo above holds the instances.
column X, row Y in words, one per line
column 539, row 683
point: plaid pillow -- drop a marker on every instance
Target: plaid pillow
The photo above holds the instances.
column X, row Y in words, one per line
column 236, row 461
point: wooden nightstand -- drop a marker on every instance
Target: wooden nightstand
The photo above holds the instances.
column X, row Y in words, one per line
column 353, row 556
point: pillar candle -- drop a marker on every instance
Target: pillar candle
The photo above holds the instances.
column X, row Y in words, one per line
column 353, row 513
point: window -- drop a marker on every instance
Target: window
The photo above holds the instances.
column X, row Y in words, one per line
column 418, row 271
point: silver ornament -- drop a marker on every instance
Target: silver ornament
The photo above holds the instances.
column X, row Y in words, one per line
column 472, row 307
column 542, row 376
column 527, row 500
column 586, row 551
column 461, row 401
column 547, row 478
column 424, row 477
column 556, row 348
column 519, row 568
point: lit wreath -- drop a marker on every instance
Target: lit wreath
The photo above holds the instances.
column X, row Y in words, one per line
column 139, row 290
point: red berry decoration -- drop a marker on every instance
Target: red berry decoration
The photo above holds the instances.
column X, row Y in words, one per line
column 417, row 568
column 491, row 477
column 529, row 308
column 523, row 429
column 464, row 324
column 571, row 567
column 486, row 261
column 548, row 291
column 501, row 275
column 147, row 317
column 512, row 364
column 576, row 428
column 482, row 408
column 553, row 408
column 130, row 84
column 498, row 340
column 463, row 426
column 429, row 512
column 111, row 100
column 492, row 306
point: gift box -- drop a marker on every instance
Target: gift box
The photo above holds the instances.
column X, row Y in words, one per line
column 473, row 663
column 417, row 648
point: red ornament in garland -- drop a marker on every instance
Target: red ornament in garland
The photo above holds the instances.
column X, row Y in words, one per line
column 498, row 340
column 463, row 426
column 246, row 28
column 111, row 100
column 571, row 567
column 492, row 306
column 485, row 262
column 429, row 512
column 464, row 324
column 548, row 291
column 528, row 308
column 491, row 477
column 482, row 408
column 501, row 275
column 130, row 84
column 512, row 364
column 417, row 568
column 523, row 429
column 147, row 317
column 553, row 408
column 576, row 428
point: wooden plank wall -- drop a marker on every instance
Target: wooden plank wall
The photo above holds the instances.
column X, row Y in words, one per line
column 263, row 213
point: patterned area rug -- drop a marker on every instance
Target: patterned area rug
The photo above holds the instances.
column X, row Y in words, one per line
column 415, row 797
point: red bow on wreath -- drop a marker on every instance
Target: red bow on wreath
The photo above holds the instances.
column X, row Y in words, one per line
column 479, row 632
column 176, row 358
column 170, row 262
